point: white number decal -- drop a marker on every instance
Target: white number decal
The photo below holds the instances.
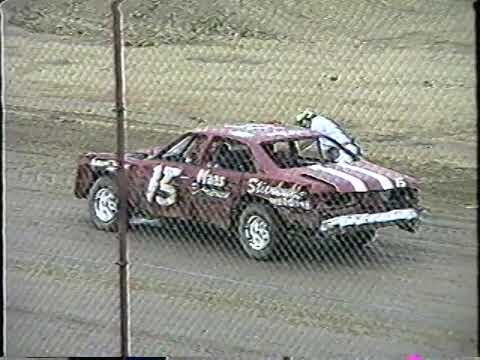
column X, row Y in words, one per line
column 153, row 184
column 157, row 182
column 400, row 182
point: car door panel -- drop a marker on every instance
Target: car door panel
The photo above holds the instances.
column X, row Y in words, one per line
column 215, row 191
column 166, row 189
column 161, row 190
column 218, row 184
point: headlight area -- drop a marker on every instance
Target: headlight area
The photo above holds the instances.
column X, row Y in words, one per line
column 401, row 197
column 297, row 211
column 371, row 201
column 322, row 206
column 334, row 200
column 308, row 210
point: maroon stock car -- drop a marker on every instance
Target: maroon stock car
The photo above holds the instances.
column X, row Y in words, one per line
column 262, row 181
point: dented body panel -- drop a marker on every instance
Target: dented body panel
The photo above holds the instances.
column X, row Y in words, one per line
column 196, row 185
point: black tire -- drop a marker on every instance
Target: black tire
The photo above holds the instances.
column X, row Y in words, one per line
column 101, row 188
column 263, row 216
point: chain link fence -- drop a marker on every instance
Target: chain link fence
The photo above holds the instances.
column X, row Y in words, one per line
column 398, row 76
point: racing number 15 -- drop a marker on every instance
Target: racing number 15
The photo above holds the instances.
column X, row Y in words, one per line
column 160, row 181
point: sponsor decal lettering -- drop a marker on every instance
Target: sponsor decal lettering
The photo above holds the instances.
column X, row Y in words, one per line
column 279, row 195
column 240, row 133
column 205, row 177
column 249, row 130
column 103, row 163
column 110, row 165
column 210, row 184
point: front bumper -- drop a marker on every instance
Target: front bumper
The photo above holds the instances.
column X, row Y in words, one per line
column 408, row 218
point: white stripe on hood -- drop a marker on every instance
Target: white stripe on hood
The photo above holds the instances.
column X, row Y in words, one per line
column 384, row 181
column 356, row 183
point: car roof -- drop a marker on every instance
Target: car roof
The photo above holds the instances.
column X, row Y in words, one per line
column 259, row 133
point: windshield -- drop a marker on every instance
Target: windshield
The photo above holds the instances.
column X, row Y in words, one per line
column 305, row 152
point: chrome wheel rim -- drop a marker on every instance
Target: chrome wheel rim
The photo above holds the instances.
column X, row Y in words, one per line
column 257, row 232
column 106, row 205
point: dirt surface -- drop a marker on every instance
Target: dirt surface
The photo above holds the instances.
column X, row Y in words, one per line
column 399, row 75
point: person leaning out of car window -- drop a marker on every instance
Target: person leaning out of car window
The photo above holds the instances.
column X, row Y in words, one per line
column 311, row 120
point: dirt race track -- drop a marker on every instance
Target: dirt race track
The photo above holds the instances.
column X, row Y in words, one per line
column 410, row 100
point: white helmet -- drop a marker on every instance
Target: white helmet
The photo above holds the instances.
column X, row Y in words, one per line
column 304, row 119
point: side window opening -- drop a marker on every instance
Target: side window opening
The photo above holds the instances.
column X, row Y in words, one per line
column 284, row 153
column 305, row 152
column 231, row 155
column 187, row 150
column 192, row 154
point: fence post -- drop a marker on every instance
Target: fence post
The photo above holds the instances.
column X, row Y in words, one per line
column 2, row 121
column 123, row 263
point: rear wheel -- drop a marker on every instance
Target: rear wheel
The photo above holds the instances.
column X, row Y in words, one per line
column 259, row 231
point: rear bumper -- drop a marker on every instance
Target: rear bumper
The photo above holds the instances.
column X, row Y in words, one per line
column 405, row 218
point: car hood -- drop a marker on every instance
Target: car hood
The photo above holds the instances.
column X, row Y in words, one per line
column 357, row 176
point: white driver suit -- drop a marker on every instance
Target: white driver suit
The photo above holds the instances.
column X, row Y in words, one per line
column 329, row 128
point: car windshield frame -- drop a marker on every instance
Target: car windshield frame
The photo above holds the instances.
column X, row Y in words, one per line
column 314, row 138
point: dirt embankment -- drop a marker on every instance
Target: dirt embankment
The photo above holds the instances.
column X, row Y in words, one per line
column 153, row 22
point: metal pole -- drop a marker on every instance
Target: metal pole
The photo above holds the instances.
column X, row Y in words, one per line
column 2, row 117
column 123, row 264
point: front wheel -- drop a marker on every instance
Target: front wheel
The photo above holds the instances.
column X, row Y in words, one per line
column 259, row 231
column 103, row 204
